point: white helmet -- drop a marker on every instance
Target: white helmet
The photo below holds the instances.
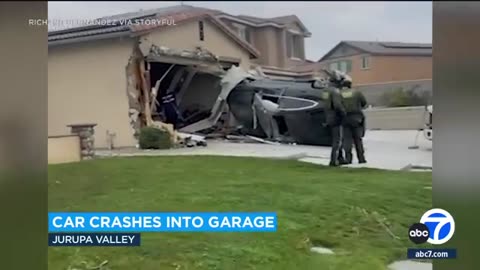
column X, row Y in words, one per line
column 339, row 77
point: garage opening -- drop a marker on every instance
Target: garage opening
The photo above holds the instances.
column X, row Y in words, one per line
column 183, row 94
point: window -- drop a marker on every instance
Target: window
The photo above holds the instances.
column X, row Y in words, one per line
column 334, row 66
column 294, row 45
column 365, row 62
column 242, row 31
column 343, row 65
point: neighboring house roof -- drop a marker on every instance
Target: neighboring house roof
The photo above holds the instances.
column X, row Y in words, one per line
column 178, row 14
column 291, row 19
column 385, row 48
column 278, row 22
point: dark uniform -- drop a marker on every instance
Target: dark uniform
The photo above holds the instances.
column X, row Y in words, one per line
column 354, row 123
column 334, row 115
column 170, row 109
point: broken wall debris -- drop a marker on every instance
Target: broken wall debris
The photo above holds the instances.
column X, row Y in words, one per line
column 227, row 83
column 134, row 93
column 192, row 78
column 145, row 81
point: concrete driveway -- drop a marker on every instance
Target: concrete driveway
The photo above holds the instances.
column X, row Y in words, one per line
column 390, row 150
column 383, row 150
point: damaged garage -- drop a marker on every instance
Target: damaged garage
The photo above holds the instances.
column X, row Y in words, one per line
column 179, row 90
column 196, row 92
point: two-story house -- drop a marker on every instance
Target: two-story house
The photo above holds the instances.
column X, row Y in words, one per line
column 279, row 40
column 108, row 69
column 371, row 62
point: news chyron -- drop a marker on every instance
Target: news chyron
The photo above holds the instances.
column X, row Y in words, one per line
column 436, row 227
column 124, row 229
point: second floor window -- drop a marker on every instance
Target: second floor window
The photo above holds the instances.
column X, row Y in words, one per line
column 365, row 62
column 294, row 45
column 242, row 31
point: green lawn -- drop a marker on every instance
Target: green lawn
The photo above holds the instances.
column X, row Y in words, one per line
column 339, row 208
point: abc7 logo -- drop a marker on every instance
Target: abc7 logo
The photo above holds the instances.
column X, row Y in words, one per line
column 418, row 233
column 436, row 227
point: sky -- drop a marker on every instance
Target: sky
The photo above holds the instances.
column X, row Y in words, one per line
column 329, row 22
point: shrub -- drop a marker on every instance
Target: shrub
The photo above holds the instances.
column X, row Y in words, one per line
column 154, row 138
column 400, row 98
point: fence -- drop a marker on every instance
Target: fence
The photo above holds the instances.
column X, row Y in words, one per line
column 403, row 118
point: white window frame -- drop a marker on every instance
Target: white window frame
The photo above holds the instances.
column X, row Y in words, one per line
column 241, row 30
column 340, row 65
column 293, row 34
column 362, row 61
column 343, row 66
column 330, row 66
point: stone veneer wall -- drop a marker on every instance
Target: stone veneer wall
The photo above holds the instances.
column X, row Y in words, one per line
column 87, row 141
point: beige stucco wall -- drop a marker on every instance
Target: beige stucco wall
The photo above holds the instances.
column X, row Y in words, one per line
column 87, row 84
column 270, row 43
column 266, row 42
column 63, row 149
column 186, row 36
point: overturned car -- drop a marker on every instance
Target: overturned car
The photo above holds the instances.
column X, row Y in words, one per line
column 277, row 110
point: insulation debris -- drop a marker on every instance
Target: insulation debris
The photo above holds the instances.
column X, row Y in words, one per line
column 199, row 54
column 190, row 140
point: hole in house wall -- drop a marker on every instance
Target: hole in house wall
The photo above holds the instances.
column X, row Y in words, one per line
column 191, row 105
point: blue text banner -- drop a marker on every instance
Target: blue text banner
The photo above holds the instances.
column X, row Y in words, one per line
column 162, row 222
